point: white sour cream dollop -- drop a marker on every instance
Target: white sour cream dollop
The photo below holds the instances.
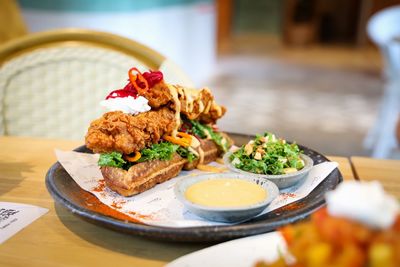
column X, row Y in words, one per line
column 365, row 202
column 129, row 104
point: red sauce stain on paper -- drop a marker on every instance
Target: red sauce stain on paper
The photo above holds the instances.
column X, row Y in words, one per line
column 100, row 186
column 94, row 204
column 291, row 206
column 114, row 209
column 288, row 195
column 117, row 204
column 140, row 216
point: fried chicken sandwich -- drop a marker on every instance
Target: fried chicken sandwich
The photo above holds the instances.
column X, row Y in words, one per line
column 153, row 131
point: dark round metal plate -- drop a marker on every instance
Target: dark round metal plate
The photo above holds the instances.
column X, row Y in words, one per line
column 82, row 203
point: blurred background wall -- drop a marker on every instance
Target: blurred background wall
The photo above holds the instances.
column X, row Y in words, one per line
column 307, row 70
column 182, row 30
column 299, row 22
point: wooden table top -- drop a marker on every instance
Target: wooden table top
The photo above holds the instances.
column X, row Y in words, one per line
column 385, row 171
column 61, row 239
column 344, row 167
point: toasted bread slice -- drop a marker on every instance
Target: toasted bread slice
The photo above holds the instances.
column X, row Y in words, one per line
column 142, row 176
column 145, row 175
column 210, row 153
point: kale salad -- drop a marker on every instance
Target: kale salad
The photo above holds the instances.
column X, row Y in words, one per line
column 269, row 155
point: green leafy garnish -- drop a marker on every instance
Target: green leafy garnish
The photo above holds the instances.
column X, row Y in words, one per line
column 268, row 155
column 161, row 151
column 113, row 159
column 205, row 131
column 185, row 153
column 199, row 129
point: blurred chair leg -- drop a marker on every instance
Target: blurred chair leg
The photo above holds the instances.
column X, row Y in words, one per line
column 372, row 135
column 398, row 130
column 386, row 124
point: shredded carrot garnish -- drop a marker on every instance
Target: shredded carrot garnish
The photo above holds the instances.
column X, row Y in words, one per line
column 137, row 77
column 179, row 141
column 183, row 139
column 134, row 158
column 184, row 135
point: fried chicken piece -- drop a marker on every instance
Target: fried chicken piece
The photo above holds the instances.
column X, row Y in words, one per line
column 213, row 115
column 159, row 95
column 194, row 104
column 117, row 131
column 199, row 105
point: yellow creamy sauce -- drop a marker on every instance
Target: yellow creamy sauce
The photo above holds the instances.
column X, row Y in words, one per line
column 191, row 96
column 226, row 192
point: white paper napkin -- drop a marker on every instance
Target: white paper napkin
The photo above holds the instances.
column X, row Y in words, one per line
column 159, row 205
column 15, row 216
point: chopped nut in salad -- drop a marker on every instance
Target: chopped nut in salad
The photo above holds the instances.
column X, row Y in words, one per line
column 267, row 154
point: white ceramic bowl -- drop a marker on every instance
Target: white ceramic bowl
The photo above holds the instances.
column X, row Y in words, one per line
column 282, row 180
column 226, row 214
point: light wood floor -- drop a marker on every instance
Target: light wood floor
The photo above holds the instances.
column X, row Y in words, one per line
column 325, row 97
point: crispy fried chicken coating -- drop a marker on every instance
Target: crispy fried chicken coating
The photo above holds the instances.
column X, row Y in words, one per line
column 159, row 95
column 214, row 114
column 117, row 131
column 194, row 104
